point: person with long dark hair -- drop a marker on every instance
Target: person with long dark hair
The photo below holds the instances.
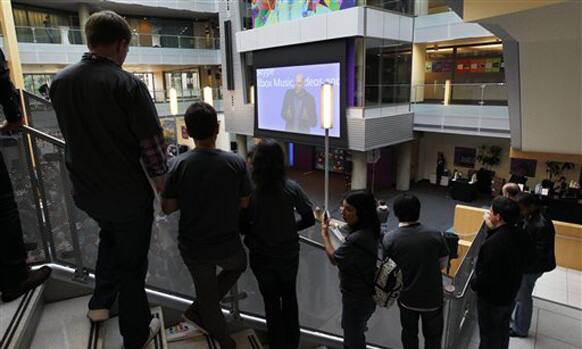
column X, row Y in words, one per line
column 356, row 259
column 271, row 235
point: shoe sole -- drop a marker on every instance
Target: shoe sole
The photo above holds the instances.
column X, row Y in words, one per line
column 198, row 327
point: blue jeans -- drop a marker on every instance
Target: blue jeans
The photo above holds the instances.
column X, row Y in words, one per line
column 524, row 304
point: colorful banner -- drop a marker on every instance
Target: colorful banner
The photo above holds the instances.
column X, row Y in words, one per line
column 267, row 12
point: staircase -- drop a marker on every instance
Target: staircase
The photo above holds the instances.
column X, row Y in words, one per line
column 34, row 322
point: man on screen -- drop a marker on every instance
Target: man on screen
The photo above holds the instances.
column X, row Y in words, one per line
column 299, row 108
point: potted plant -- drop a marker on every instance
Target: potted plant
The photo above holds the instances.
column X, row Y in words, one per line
column 489, row 157
column 554, row 169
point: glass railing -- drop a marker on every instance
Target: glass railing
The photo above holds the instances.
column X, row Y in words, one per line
column 465, row 94
column 399, row 6
column 386, row 95
column 75, row 36
column 197, row 94
column 39, row 35
column 66, row 235
column 175, row 41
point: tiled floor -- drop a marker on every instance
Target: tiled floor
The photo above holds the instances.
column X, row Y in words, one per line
column 561, row 285
column 554, row 326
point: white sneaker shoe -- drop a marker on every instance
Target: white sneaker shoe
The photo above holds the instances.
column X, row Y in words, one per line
column 98, row 315
column 155, row 326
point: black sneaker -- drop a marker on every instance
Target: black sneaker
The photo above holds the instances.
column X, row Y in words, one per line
column 34, row 279
column 512, row 333
column 192, row 316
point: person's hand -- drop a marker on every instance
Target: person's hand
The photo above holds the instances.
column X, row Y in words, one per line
column 325, row 228
column 8, row 126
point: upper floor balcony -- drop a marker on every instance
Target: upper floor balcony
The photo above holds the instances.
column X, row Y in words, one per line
column 65, row 45
column 474, row 109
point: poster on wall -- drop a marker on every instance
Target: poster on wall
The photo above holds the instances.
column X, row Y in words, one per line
column 465, row 157
column 267, row 12
column 523, row 167
column 480, row 65
column 182, row 136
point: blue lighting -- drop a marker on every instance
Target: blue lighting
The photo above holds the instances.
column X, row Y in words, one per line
column 290, row 153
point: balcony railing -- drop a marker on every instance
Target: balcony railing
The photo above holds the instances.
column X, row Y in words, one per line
column 67, row 236
column 75, row 36
column 468, row 94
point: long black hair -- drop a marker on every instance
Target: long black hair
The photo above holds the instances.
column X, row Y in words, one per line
column 365, row 205
column 268, row 164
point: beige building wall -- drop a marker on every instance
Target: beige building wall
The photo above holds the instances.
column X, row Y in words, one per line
column 474, row 10
column 429, row 144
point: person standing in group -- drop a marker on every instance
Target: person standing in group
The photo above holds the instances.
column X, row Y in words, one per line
column 421, row 253
column 356, row 260
column 510, row 190
column 498, row 273
column 271, row 229
column 209, row 187
column 112, row 131
column 542, row 234
column 15, row 277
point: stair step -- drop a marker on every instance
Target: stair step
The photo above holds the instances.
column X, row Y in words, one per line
column 105, row 335
column 63, row 324
column 19, row 318
column 246, row 339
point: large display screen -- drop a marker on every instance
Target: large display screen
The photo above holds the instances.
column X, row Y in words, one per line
column 288, row 98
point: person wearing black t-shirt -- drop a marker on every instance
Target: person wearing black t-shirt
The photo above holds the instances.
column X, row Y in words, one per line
column 270, row 229
column 498, row 272
column 356, row 260
column 209, row 187
column 421, row 253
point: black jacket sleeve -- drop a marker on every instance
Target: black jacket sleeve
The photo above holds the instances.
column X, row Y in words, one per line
column 8, row 95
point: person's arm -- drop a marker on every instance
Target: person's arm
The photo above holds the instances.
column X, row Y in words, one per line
column 329, row 249
column 304, row 207
column 169, row 198
column 245, row 185
column 285, row 108
column 444, row 252
column 154, row 160
column 9, row 99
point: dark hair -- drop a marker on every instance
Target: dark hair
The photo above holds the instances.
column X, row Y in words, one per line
column 407, row 208
column 507, row 209
column 512, row 189
column 201, row 120
column 365, row 205
column 105, row 28
column 529, row 202
column 268, row 166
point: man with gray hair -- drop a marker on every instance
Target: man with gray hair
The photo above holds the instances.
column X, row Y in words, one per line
column 112, row 133
column 510, row 190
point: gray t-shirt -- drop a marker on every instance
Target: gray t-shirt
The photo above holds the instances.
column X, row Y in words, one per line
column 417, row 250
column 208, row 184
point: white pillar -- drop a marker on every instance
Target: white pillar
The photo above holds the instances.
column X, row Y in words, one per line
column 421, row 7
column 359, row 170
column 84, row 14
column 241, row 144
column 404, row 164
column 418, row 71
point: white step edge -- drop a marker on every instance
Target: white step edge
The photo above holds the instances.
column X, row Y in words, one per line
column 105, row 335
column 20, row 319
column 246, row 339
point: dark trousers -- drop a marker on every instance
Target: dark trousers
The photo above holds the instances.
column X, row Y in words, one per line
column 493, row 324
column 13, row 269
column 355, row 315
column 211, row 288
column 121, row 270
column 278, row 284
column 524, row 304
column 432, row 327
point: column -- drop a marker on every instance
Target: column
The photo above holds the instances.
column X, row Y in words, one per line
column 421, row 7
column 359, row 170
column 241, row 144
column 418, row 67
column 84, row 14
column 404, row 163
column 11, row 44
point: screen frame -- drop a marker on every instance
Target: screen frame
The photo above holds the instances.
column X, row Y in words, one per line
column 329, row 52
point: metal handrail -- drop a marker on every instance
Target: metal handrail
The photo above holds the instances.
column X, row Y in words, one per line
column 44, row 136
column 310, row 242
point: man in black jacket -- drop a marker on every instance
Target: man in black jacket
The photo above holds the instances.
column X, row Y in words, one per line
column 15, row 277
column 498, row 272
column 542, row 234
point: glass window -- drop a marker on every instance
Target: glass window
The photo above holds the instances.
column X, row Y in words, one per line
column 186, row 83
column 38, row 84
column 401, row 6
